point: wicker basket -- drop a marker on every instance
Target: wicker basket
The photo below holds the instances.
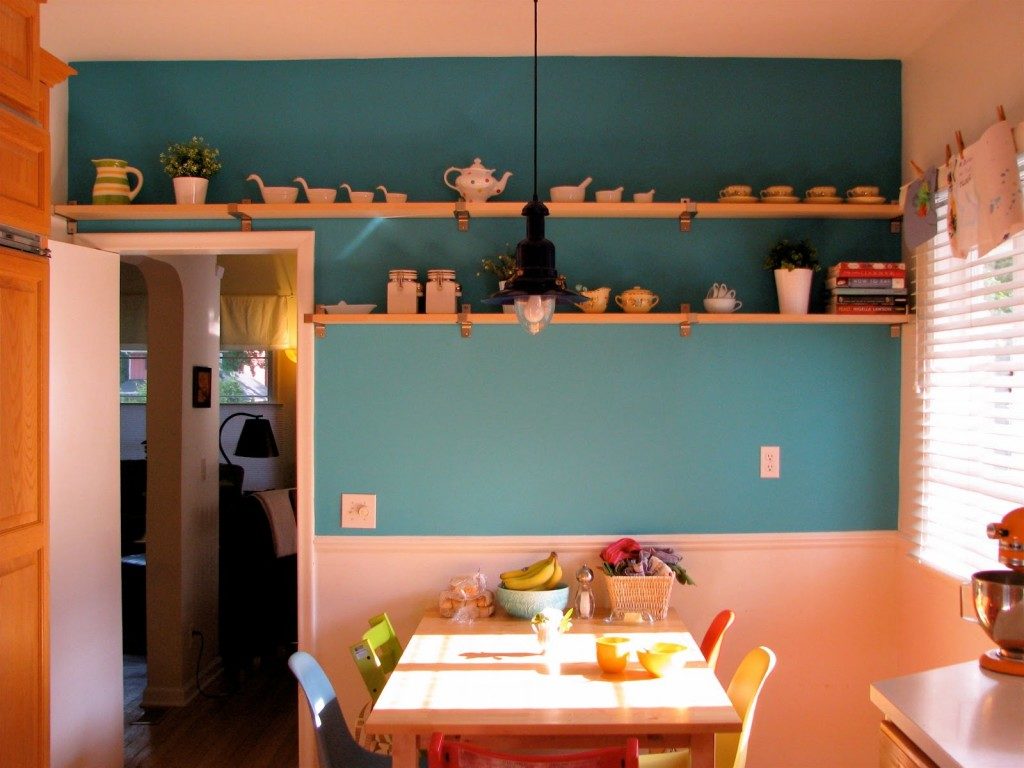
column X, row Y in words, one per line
column 640, row 593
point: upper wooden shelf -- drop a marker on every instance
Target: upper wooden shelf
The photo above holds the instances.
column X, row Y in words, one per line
column 247, row 212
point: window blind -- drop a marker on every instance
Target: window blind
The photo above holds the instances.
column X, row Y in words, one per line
column 970, row 404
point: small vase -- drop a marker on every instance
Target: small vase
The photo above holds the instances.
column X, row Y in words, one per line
column 508, row 309
column 190, row 190
column 793, row 287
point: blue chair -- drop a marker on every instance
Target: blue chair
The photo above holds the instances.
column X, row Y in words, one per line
column 334, row 742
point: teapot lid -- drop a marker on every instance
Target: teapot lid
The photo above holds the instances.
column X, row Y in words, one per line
column 637, row 289
column 478, row 166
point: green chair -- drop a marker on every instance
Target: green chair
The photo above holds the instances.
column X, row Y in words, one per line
column 377, row 654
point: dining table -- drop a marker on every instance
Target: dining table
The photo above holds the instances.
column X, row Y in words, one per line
column 489, row 681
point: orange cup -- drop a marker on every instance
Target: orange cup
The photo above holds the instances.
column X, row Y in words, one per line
column 612, row 653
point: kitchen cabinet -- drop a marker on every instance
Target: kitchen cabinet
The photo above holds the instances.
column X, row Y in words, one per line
column 27, row 73
column 960, row 716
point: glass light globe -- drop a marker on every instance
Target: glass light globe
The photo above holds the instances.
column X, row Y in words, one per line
column 534, row 312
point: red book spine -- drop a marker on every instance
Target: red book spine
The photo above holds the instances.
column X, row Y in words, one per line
column 866, row 309
column 838, row 272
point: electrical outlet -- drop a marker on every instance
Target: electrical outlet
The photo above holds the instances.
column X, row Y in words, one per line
column 770, row 461
column 358, row 510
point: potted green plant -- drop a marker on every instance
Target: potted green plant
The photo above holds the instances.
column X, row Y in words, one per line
column 190, row 166
column 794, row 265
column 503, row 267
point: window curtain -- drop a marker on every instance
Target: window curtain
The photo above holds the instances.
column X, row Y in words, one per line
column 257, row 322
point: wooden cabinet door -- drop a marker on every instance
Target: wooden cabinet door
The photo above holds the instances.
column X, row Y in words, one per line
column 24, row 174
column 19, row 55
column 24, row 534
column 897, row 751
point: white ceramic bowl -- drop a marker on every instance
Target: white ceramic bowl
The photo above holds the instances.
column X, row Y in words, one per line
column 568, row 194
column 360, row 197
column 396, row 197
column 608, row 195
column 526, row 605
column 321, row 195
column 342, row 308
column 280, row 194
column 643, row 197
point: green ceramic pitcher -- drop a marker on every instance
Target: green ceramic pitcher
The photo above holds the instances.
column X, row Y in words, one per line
column 111, row 186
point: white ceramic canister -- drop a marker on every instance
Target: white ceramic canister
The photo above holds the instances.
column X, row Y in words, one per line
column 403, row 292
column 442, row 292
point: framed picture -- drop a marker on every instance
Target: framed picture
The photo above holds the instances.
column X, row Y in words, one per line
column 202, row 386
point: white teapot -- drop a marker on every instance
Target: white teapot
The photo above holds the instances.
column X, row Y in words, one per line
column 476, row 183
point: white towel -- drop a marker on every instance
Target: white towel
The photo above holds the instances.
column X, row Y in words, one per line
column 281, row 516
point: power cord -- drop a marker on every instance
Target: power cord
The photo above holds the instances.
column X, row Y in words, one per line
column 199, row 662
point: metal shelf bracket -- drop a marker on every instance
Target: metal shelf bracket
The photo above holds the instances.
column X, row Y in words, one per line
column 896, row 225
column 686, row 217
column 465, row 324
column 685, row 327
column 244, row 218
column 462, row 216
column 895, row 331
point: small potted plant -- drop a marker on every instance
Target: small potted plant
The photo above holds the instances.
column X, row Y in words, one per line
column 503, row 267
column 190, row 166
column 794, row 265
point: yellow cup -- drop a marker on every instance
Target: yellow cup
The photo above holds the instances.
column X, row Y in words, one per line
column 612, row 653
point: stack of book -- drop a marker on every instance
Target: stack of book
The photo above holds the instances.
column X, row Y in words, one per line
column 867, row 288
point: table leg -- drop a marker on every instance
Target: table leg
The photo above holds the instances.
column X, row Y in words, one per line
column 404, row 753
column 702, row 750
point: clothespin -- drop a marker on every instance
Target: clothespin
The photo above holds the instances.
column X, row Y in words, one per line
column 1000, row 112
column 960, row 143
column 917, row 169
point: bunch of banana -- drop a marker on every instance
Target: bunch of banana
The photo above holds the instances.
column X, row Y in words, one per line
column 544, row 574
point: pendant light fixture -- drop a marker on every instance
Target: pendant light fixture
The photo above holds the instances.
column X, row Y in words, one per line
column 536, row 286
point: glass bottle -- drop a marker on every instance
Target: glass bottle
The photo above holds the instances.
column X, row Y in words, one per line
column 583, row 607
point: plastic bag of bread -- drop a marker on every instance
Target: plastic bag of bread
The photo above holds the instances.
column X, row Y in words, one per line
column 467, row 598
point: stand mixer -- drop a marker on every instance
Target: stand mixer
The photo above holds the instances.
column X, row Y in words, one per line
column 999, row 598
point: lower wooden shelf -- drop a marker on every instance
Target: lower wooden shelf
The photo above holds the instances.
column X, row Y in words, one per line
column 685, row 320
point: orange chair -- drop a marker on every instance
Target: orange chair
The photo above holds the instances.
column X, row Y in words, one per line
column 451, row 753
column 711, row 645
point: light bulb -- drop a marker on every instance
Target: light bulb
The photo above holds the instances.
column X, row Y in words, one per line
column 534, row 312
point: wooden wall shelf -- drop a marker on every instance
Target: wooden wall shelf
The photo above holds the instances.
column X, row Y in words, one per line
column 247, row 212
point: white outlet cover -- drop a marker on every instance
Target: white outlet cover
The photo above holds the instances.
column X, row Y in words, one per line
column 358, row 510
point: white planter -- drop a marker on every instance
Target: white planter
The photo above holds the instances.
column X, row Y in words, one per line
column 794, row 290
column 190, row 190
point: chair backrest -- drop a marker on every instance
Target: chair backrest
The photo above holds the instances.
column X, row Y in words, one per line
column 334, row 742
column 744, row 691
column 377, row 654
column 711, row 645
column 445, row 753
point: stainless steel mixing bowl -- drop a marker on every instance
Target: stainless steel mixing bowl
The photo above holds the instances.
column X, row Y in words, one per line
column 999, row 603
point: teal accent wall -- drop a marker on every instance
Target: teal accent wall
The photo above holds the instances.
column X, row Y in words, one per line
column 581, row 430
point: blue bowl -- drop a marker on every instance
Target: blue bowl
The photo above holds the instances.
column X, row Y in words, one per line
column 526, row 605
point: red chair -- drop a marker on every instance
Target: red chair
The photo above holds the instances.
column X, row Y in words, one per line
column 451, row 753
column 711, row 645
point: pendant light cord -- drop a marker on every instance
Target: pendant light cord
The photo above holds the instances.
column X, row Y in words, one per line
column 535, row 99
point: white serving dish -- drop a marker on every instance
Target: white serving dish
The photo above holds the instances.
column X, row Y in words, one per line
column 343, row 308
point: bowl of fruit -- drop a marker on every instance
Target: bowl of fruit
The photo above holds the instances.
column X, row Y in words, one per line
column 525, row 592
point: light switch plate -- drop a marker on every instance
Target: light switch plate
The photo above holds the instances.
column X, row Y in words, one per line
column 358, row 510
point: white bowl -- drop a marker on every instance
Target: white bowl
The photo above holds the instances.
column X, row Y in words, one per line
column 341, row 308
column 321, row 195
column 608, row 195
column 643, row 197
column 360, row 197
column 280, row 194
column 568, row 194
column 396, row 197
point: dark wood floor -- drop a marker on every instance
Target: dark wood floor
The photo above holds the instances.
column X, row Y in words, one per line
column 253, row 724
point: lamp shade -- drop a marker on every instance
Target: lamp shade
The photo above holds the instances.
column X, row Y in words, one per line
column 255, row 441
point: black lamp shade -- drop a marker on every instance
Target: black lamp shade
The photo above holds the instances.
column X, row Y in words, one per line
column 255, row 441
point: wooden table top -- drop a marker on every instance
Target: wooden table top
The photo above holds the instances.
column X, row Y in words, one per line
column 490, row 678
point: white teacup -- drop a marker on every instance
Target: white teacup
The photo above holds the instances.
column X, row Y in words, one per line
column 777, row 190
column 722, row 305
column 821, row 192
column 862, row 191
column 736, row 190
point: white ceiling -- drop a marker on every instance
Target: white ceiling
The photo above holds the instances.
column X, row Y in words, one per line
column 82, row 30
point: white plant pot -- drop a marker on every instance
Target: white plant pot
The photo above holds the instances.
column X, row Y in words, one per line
column 794, row 289
column 508, row 309
column 190, row 190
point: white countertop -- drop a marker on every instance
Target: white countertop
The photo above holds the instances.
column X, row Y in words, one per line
column 961, row 716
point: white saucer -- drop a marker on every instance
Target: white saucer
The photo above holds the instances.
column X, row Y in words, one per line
column 738, row 199
column 823, row 200
column 780, row 199
column 865, row 200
